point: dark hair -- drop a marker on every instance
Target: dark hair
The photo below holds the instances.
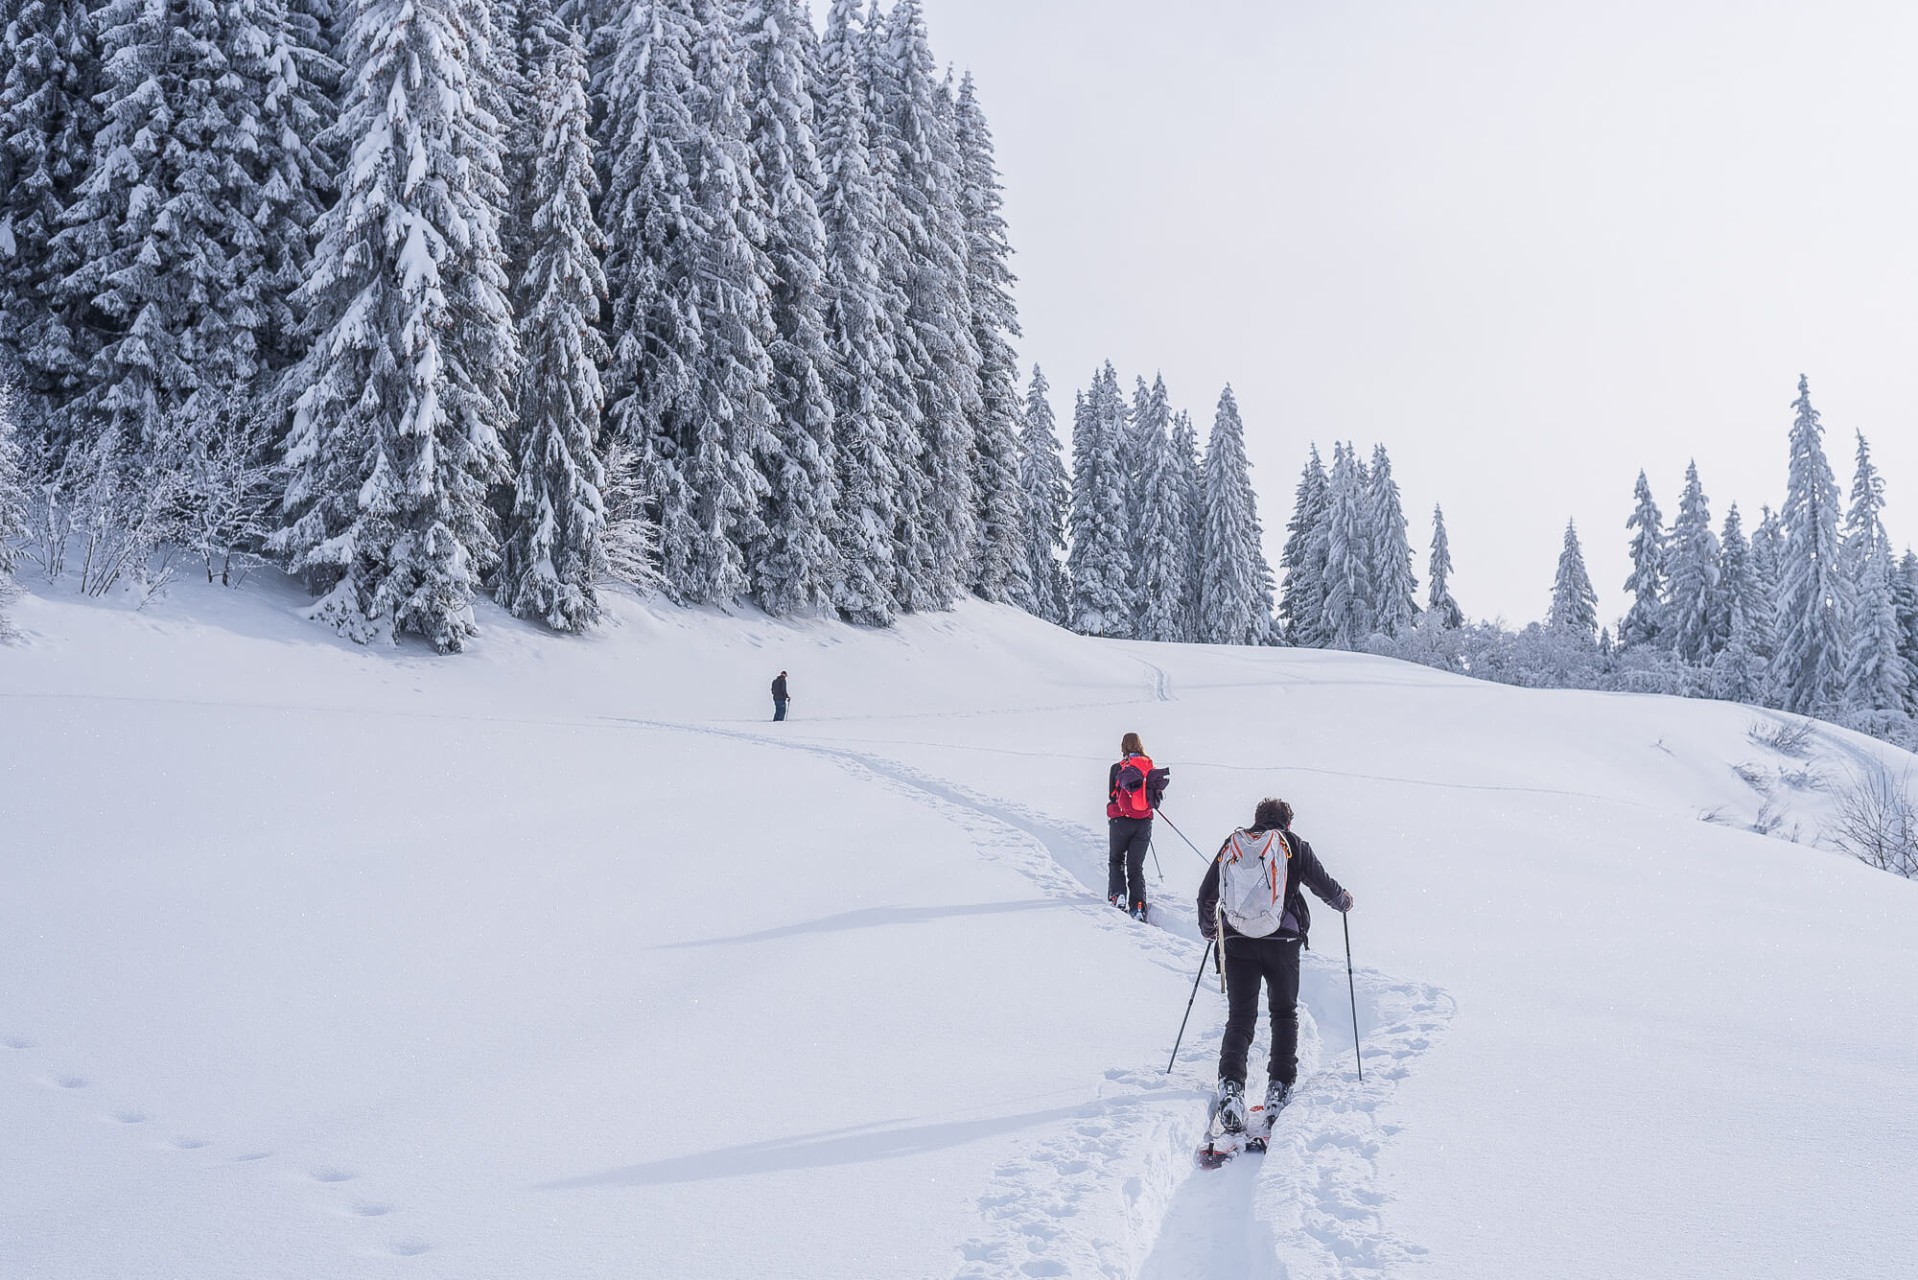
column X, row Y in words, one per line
column 1131, row 746
column 1272, row 815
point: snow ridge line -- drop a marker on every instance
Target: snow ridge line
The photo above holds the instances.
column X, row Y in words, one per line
column 1310, row 1207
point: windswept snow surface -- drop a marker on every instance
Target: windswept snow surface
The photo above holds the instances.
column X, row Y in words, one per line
column 557, row 959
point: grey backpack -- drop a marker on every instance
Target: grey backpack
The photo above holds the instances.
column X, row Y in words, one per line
column 1252, row 882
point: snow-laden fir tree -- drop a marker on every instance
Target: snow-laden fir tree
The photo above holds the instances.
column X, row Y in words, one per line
column 1185, row 458
column 1438, row 598
column 1808, row 665
column 1144, row 448
column 13, row 503
column 795, row 566
column 999, row 559
column 1395, row 589
column 1768, row 556
column 1042, row 476
column 870, row 389
column 1904, row 594
column 396, row 438
column 691, row 317
column 1100, row 565
column 1644, row 622
column 1574, row 602
column 1741, row 613
column 50, row 70
column 1876, row 678
column 1349, row 590
column 1302, row 559
column 1235, row 583
column 917, row 128
column 163, row 260
column 1692, row 582
column 1159, row 527
column 299, row 176
column 553, row 557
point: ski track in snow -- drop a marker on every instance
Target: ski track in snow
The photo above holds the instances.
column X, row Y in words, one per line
column 196, row 1152
column 1116, row 1194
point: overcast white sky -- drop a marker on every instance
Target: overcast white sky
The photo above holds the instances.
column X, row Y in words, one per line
column 1531, row 247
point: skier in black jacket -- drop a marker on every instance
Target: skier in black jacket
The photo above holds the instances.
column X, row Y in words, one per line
column 779, row 696
column 1273, row 958
column 1133, row 791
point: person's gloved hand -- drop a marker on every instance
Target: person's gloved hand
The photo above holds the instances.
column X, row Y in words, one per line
column 1346, row 904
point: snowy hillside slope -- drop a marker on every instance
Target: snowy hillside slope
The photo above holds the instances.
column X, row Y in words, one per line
column 557, row 959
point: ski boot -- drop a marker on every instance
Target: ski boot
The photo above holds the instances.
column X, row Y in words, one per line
column 1225, row 1128
column 1138, row 912
column 1231, row 1106
column 1277, row 1094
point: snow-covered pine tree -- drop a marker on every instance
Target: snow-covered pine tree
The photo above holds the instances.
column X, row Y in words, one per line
column 917, row 127
column 689, row 376
column 795, row 567
column 1438, row 598
column 13, row 502
column 1349, row 592
column 1145, row 446
column 396, row 438
column 1159, row 525
column 50, row 70
column 1739, row 613
column 1692, row 581
column 1808, row 664
column 1185, row 456
column 1574, row 602
column 1302, row 587
column 1099, row 565
column 1395, row 590
column 298, row 177
column 869, row 387
column 1042, row 475
column 1876, row 678
column 1904, row 594
column 1644, row 622
column 166, row 266
column 553, row 558
column 1000, row 558
column 1235, row 583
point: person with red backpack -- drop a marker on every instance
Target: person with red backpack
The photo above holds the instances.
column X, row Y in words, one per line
column 1250, row 904
column 1133, row 791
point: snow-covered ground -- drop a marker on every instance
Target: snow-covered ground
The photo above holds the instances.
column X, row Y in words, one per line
column 557, row 960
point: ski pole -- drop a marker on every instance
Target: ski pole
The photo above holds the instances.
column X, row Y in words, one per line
column 1188, row 1009
column 1352, row 990
column 1175, row 831
column 1155, row 858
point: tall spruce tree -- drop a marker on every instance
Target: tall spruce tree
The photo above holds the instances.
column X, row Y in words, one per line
column 916, row 126
column 1574, row 602
column 1904, row 594
column 396, row 439
column 1235, row 584
column 1100, row 564
column 1144, row 447
column 1159, row 524
column 1395, row 589
column 1302, row 585
column 1349, row 590
column 1185, row 457
column 795, row 564
column 1692, row 581
column 1439, row 601
column 553, row 556
column 1741, row 613
column 1644, row 622
column 874, row 444
column 999, row 559
column 689, row 378
column 1808, row 665
column 50, row 70
column 1042, row 475
column 1876, row 678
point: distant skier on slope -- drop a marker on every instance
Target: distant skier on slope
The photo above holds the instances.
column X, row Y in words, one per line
column 1259, row 920
column 1133, row 791
column 780, row 697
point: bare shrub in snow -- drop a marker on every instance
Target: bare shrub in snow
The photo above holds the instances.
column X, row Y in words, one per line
column 1786, row 737
column 1754, row 777
column 1805, row 779
column 13, row 507
column 1878, row 820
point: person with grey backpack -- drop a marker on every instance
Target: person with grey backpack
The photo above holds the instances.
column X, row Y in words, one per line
column 1250, row 904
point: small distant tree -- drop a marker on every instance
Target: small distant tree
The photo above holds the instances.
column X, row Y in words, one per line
column 1574, row 603
column 1439, row 601
column 1645, row 622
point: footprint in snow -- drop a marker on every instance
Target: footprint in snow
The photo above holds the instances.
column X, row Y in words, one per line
column 332, row 1175
column 251, row 1156
column 369, row 1210
column 70, row 1082
column 15, row 1042
column 188, row 1144
column 409, row 1248
column 130, row 1117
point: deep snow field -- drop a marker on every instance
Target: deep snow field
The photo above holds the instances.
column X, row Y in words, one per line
column 557, row 960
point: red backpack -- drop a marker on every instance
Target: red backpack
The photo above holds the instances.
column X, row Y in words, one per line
column 1131, row 797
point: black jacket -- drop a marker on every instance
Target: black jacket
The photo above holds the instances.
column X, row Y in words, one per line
column 1304, row 868
column 779, row 688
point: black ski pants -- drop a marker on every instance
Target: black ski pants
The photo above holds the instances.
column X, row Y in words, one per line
column 1127, row 839
column 1248, row 961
